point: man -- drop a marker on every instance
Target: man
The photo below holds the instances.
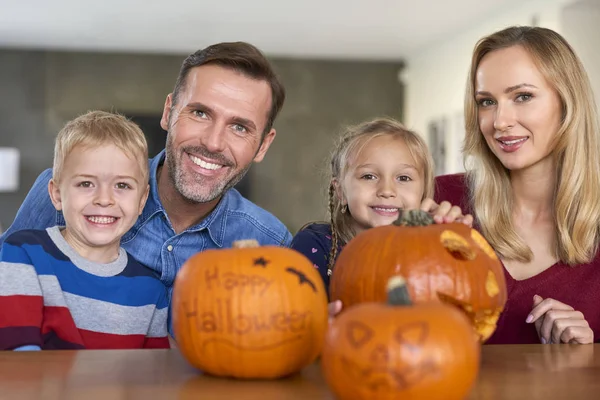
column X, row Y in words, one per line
column 219, row 120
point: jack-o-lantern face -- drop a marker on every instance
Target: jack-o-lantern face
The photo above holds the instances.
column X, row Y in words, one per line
column 383, row 374
column 377, row 351
column 257, row 312
column 448, row 262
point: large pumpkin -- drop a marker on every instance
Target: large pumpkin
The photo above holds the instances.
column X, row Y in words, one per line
column 401, row 351
column 249, row 311
column 448, row 262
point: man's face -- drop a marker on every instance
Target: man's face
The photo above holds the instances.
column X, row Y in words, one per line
column 215, row 131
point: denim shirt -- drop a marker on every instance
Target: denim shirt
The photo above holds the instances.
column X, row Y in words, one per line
column 152, row 240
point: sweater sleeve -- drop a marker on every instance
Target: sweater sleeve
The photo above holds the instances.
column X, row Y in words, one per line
column 21, row 302
column 316, row 246
column 157, row 332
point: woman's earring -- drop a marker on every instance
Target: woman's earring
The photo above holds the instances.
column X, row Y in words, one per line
column 344, row 208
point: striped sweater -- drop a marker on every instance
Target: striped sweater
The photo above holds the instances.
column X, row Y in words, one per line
column 53, row 298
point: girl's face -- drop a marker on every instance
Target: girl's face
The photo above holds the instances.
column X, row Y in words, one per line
column 519, row 112
column 382, row 179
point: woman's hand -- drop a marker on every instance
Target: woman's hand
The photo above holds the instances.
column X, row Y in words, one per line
column 446, row 212
column 557, row 322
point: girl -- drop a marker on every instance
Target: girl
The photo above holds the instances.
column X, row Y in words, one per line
column 378, row 169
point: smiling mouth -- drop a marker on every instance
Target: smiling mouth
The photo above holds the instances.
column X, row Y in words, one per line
column 204, row 164
column 386, row 210
column 512, row 142
column 101, row 219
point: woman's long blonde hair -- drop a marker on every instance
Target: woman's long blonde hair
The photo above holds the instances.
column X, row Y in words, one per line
column 576, row 151
column 351, row 142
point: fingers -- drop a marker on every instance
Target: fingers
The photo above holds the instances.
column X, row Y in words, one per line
column 334, row 308
column 467, row 220
column 556, row 321
column 543, row 306
column 581, row 334
column 428, row 205
column 445, row 212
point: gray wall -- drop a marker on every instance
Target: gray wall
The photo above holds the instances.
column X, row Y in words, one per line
column 40, row 91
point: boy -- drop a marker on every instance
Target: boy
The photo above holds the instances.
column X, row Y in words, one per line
column 74, row 287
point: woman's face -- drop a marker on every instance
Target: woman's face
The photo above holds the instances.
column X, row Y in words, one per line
column 519, row 113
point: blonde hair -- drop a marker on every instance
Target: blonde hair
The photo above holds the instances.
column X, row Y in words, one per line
column 97, row 128
column 350, row 144
column 576, row 150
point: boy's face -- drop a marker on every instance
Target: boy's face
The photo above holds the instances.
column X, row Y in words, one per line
column 101, row 194
column 382, row 180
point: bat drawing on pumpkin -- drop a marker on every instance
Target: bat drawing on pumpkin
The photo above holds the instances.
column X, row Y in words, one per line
column 302, row 277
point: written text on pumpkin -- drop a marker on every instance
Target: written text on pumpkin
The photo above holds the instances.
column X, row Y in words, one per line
column 221, row 317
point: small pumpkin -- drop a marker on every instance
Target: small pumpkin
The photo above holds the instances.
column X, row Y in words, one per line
column 249, row 311
column 447, row 262
column 401, row 351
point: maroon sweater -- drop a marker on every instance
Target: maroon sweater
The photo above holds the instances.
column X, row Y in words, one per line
column 577, row 286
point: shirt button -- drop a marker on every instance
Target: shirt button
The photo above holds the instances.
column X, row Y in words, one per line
column 170, row 248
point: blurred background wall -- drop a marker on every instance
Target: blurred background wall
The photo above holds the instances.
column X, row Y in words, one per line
column 341, row 63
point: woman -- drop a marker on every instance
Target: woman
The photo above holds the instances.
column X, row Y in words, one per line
column 532, row 182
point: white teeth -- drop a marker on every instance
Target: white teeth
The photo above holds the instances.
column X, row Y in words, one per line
column 511, row 142
column 385, row 209
column 102, row 220
column 204, row 164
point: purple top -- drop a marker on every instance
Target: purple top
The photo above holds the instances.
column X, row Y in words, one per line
column 577, row 286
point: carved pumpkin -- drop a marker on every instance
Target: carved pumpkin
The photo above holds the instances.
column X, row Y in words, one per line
column 448, row 262
column 401, row 351
column 249, row 311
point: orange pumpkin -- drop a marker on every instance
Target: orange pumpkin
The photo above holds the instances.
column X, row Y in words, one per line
column 250, row 311
column 448, row 262
column 401, row 351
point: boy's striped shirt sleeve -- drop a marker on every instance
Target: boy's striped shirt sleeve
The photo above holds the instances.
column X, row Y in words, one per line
column 21, row 301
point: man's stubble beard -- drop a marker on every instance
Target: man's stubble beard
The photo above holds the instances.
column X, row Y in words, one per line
column 186, row 189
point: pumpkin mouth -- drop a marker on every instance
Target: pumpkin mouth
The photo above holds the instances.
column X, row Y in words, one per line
column 484, row 322
column 384, row 378
column 250, row 348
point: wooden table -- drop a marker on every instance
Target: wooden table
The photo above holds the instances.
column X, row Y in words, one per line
column 507, row 372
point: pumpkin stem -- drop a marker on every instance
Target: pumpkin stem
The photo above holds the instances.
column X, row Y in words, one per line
column 240, row 244
column 414, row 218
column 397, row 292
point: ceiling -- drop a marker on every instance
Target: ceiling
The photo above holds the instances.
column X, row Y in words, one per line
column 359, row 29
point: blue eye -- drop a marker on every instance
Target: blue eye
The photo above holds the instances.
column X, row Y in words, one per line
column 485, row 102
column 239, row 128
column 523, row 97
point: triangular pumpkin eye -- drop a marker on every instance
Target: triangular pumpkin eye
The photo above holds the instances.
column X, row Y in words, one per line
column 412, row 337
column 359, row 334
column 457, row 245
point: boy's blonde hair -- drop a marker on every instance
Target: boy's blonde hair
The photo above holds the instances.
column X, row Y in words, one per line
column 351, row 143
column 97, row 128
column 576, row 150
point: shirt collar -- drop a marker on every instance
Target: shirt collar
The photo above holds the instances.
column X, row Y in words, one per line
column 213, row 222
